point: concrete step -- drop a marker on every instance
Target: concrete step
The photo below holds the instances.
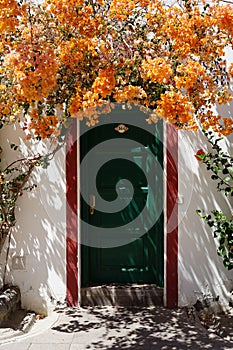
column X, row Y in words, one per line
column 122, row 295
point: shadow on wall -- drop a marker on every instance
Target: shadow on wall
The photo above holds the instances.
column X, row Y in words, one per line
column 201, row 271
column 37, row 251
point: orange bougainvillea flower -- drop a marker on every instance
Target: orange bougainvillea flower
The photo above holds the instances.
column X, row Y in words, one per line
column 188, row 74
column 9, row 15
column 228, row 126
column 34, row 71
column 105, row 83
column 230, row 69
column 224, row 17
column 129, row 94
column 156, row 70
column 176, row 108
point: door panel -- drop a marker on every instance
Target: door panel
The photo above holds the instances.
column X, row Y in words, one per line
column 128, row 182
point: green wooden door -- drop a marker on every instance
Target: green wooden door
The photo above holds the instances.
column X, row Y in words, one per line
column 123, row 240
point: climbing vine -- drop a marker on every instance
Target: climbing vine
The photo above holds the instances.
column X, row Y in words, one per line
column 220, row 165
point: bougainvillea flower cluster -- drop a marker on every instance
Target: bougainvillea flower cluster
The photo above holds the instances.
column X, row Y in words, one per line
column 65, row 58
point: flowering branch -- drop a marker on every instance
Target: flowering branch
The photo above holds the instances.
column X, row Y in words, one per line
column 79, row 58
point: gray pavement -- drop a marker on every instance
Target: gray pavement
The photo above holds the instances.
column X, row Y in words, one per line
column 115, row 328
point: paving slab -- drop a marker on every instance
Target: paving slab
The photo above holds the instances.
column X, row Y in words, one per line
column 16, row 346
column 118, row 328
column 49, row 346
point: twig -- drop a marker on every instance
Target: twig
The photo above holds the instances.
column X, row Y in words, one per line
column 7, row 256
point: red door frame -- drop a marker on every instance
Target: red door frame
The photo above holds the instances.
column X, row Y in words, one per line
column 171, row 263
column 171, row 217
column 71, row 217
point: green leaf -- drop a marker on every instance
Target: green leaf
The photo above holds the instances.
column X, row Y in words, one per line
column 228, row 189
column 211, row 223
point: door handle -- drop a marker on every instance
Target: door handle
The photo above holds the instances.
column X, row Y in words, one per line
column 92, row 204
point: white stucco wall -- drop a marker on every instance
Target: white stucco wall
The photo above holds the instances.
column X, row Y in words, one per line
column 38, row 238
column 200, row 269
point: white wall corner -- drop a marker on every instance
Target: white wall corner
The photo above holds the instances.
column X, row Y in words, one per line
column 200, row 269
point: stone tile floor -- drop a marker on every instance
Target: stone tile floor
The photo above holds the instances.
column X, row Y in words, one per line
column 117, row 328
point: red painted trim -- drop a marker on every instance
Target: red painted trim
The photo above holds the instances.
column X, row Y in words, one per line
column 71, row 218
column 172, row 218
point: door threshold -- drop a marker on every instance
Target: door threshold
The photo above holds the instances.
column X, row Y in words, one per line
column 122, row 295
